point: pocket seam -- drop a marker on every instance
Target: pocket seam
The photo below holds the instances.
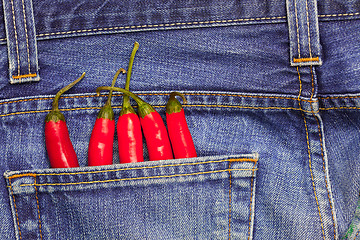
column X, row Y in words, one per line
column 132, row 168
column 251, row 208
column 138, row 178
column 16, row 210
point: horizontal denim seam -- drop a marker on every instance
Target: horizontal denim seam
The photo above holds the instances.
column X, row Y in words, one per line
column 253, row 19
column 163, row 94
column 138, row 178
column 189, row 94
column 136, row 168
column 189, row 105
column 339, row 15
column 198, row 105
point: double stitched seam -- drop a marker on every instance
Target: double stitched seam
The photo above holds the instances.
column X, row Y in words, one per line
column 230, row 200
column 156, row 94
column 322, row 153
column 16, row 211
column 136, row 168
column 184, row 23
column 38, row 207
column 18, row 76
column 310, row 162
column 251, row 201
column 16, row 37
column 199, row 105
column 139, row 178
column 188, row 105
column 118, row 107
column 162, row 25
column 305, row 59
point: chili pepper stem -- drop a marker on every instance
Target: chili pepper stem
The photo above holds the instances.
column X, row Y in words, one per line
column 144, row 108
column 106, row 111
column 173, row 105
column 121, row 70
column 127, row 108
column 55, row 114
column 55, row 104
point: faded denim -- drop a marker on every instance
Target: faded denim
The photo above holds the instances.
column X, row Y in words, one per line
column 273, row 90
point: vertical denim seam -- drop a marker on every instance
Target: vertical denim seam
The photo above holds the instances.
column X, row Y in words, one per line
column 297, row 28
column 322, row 154
column 16, row 211
column 308, row 27
column 251, row 200
column 312, row 86
column 16, row 37
column 310, row 162
column 230, row 199
column 300, row 88
column 38, row 208
column 27, row 37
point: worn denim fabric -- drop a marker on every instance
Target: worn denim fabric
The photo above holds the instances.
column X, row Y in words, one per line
column 273, row 90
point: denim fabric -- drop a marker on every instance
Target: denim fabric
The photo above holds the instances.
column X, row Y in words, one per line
column 305, row 49
column 278, row 143
column 21, row 41
column 174, row 199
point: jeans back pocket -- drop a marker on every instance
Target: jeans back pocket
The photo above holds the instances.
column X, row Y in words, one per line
column 197, row 198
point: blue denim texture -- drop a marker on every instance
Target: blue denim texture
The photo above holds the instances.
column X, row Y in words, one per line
column 21, row 41
column 278, row 140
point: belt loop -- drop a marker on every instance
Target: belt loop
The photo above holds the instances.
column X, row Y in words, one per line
column 305, row 48
column 21, row 41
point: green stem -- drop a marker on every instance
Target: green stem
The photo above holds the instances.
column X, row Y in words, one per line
column 55, row 104
column 126, row 100
column 121, row 70
column 174, row 94
column 144, row 108
column 173, row 105
column 106, row 112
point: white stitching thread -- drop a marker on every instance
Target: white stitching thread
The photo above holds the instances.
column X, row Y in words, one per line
column 161, row 25
column 15, row 34
column 339, row 15
column 297, row 28
column 190, row 23
column 308, row 27
column 26, row 36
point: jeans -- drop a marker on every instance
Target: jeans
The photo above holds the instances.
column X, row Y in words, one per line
column 273, row 99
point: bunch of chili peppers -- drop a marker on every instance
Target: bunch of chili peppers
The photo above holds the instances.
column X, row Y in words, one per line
column 162, row 143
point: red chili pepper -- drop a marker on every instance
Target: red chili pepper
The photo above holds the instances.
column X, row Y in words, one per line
column 179, row 133
column 128, row 127
column 58, row 144
column 102, row 137
column 156, row 136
